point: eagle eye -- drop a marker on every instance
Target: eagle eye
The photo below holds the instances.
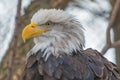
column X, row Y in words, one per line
column 48, row 23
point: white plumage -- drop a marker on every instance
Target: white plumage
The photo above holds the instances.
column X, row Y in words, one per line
column 65, row 33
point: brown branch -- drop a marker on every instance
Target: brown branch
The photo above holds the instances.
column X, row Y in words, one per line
column 111, row 24
column 116, row 44
column 59, row 4
column 14, row 41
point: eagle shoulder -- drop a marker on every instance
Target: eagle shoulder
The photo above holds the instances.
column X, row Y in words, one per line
column 86, row 65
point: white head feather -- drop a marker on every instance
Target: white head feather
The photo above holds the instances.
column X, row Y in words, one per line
column 65, row 36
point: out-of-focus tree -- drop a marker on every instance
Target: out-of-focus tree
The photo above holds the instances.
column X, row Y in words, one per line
column 115, row 25
column 14, row 41
column 116, row 29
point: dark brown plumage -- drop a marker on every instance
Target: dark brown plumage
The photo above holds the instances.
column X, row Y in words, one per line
column 88, row 65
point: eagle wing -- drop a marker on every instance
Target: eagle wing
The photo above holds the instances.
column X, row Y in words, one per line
column 86, row 65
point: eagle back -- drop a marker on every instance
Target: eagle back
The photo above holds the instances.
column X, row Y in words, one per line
column 88, row 65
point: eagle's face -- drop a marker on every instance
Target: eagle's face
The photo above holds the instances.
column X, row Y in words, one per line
column 45, row 21
column 55, row 32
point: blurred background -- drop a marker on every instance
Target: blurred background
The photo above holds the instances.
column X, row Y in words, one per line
column 94, row 15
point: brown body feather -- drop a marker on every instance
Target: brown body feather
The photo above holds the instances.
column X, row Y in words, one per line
column 86, row 65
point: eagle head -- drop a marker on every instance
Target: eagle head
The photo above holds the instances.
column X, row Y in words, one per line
column 55, row 32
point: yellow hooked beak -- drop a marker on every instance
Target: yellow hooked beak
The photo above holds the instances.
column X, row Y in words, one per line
column 31, row 30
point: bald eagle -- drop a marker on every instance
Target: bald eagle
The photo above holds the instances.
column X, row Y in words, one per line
column 58, row 53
